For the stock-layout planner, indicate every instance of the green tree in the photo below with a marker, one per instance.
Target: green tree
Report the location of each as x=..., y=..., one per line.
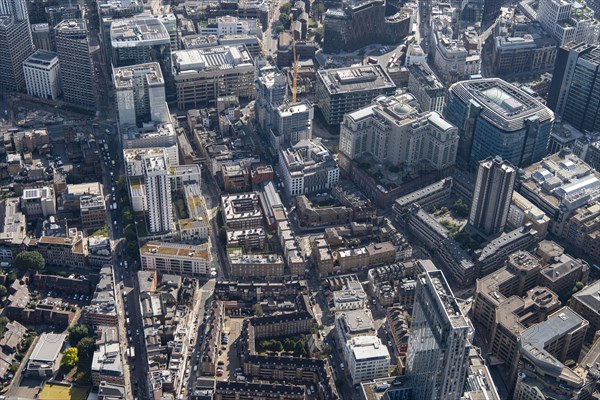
x=82, y=378
x=3, y=322
x=319, y=34
x=132, y=248
x=14, y=367
x=320, y=10
x=3, y=291
x=70, y=357
x=277, y=346
x=127, y=214
x=130, y=233
x=76, y=333
x=258, y=310
x=29, y=260
x=86, y=347
x=461, y=208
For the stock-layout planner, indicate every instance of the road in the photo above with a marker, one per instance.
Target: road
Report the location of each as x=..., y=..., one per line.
x=270, y=43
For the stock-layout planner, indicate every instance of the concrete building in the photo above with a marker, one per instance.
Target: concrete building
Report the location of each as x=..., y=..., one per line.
x=353, y=323
x=573, y=96
x=426, y=87
x=241, y=211
x=107, y=365
x=491, y=198
x=351, y=297
x=307, y=167
x=16, y=45
x=559, y=185
x=41, y=72
x=493, y=255
x=586, y=303
x=544, y=349
x=437, y=359
x=561, y=271
x=102, y=310
x=77, y=76
x=40, y=34
x=291, y=124
x=43, y=361
x=367, y=358
x=140, y=93
x=358, y=24
x=582, y=229
x=392, y=131
x=495, y=118
x=175, y=258
x=430, y=196
x=523, y=54
x=228, y=25
x=271, y=92
x=264, y=266
x=39, y=202
x=522, y=212
x=231, y=390
x=158, y=194
x=446, y=251
x=139, y=41
x=92, y=211
x=343, y=90
x=568, y=21
x=203, y=75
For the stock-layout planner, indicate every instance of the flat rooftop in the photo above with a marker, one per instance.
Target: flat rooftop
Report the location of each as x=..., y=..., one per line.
x=48, y=347
x=211, y=58
x=504, y=105
x=42, y=58
x=125, y=77
x=71, y=26
x=446, y=299
x=135, y=31
x=353, y=79
x=174, y=250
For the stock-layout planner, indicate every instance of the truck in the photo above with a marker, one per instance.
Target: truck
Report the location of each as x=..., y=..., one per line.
x=131, y=352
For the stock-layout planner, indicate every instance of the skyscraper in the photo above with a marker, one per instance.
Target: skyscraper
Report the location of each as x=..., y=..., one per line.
x=438, y=347
x=16, y=43
x=495, y=118
x=76, y=72
x=158, y=194
x=492, y=195
x=15, y=8
x=575, y=88
x=15, y=46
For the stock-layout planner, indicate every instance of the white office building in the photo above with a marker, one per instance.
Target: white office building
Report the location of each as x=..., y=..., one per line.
x=308, y=167
x=158, y=194
x=367, y=358
x=292, y=123
x=568, y=21
x=392, y=131
x=42, y=75
x=140, y=92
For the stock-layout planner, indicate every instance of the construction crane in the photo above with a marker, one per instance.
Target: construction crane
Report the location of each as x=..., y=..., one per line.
x=295, y=66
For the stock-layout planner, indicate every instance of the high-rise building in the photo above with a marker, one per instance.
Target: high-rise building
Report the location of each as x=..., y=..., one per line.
x=158, y=194
x=271, y=91
x=343, y=90
x=41, y=72
x=437, y=359
x=568, y=21
x=140, y=92
x=140, y=40
x=15, y=8
x=15, y=43
x=575, y=89
x=493, y=193
x=76, y=72
x=203, y=75
x=360, y=23
x=291, y=124
x=491, y=12
x=426, y=87
x=495, y=118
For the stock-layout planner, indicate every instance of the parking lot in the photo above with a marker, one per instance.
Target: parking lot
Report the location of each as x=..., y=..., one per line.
x=229, y=359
